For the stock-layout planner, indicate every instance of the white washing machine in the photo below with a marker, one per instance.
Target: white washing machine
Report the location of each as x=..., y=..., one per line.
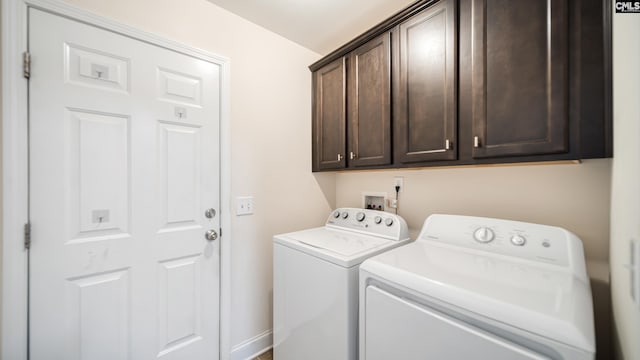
x=478, y=288
x=315, y=282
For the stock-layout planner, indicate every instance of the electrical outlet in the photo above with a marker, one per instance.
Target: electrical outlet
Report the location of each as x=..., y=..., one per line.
x=398, y=181
x=393, y=203
x=244, y=205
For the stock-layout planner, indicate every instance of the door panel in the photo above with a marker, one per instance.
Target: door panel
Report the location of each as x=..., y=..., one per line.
x=179, y=156
x=329, y=116
x=102, y=314
x=98, y=171
x=180, y=315
x=124, y=160
x=425, y=90
x=519, y=77
x=369, y=103
x=96, y=69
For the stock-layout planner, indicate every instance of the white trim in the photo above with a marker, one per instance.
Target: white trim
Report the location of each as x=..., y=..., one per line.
x=253, y=347
x=14, y=182
x=13, y=341
x=225, y=212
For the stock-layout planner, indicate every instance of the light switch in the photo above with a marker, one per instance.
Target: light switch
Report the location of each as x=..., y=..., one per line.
x=244, y=205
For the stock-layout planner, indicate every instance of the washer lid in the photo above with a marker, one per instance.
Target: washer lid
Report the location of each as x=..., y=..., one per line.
x=534, y=297
x=340, y=242
x=344, y=248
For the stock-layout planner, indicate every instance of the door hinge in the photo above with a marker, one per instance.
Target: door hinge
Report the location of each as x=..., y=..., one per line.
x=27, y=236
x=26, y=64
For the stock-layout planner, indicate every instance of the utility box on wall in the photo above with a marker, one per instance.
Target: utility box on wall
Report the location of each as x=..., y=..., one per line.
x=374, y=200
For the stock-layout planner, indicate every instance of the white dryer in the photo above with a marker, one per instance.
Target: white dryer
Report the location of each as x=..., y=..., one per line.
x=478, y=288
x=315, y=282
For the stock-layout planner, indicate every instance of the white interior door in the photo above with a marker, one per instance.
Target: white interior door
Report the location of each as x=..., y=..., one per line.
x=124, y=161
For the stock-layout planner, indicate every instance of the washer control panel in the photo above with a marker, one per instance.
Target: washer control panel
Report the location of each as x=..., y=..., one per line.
x=548, y=244
x=372, y=222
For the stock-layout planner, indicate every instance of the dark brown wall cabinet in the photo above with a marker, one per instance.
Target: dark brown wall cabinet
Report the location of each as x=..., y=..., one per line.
x=425, y=85
x=463, y=82
x=519, y=77
x=352, y=108
x=369, y=104
x=329, y=86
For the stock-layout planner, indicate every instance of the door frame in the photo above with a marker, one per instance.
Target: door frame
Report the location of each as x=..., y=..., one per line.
x=15, y=167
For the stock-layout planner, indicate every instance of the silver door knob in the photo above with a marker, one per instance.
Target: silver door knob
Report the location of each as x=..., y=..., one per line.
x=211, y=235
x=210, y=213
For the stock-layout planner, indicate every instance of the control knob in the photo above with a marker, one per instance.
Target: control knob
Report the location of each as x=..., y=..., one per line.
x=518, y=240
x=360, y=216
x=377, y=219
x=483, y=235
x=388, y=221
x=345, y=215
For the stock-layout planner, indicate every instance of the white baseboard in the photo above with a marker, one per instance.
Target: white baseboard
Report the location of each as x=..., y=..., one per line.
x=253, y=347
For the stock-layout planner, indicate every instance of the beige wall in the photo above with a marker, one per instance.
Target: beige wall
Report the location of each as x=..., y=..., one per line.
x=270, y=136
x=573, y=196
x=625, y=198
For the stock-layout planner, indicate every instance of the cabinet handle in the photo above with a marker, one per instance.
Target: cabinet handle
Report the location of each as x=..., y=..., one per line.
x=476, y=142
x=352, y=155
x=447, y=144
x=339, y=157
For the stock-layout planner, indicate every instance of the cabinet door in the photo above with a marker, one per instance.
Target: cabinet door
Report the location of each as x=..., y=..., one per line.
x=519, y=77
x=425, y=85
x=369, y=103
x=329, y=116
